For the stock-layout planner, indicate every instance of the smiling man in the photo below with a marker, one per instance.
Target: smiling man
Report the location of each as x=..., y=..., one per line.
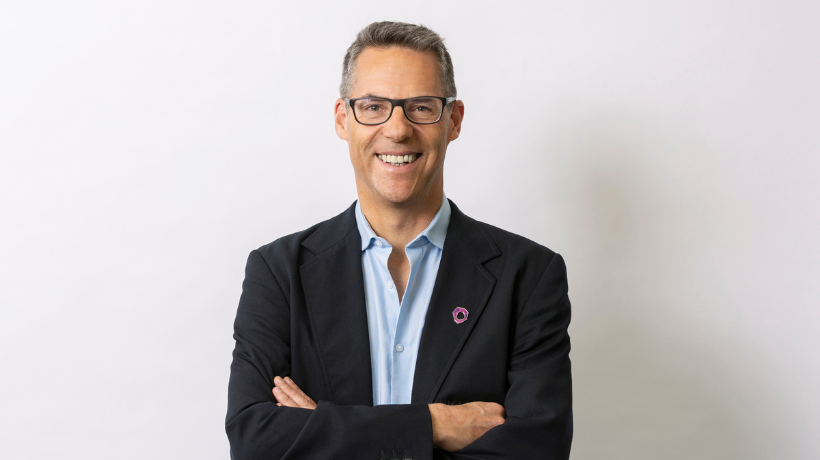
x=401, y=328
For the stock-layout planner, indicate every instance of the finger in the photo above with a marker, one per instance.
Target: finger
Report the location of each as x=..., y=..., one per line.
x=289, y=386
x=283, y=385
x=296, y=394
x=293, y=393
x=296, y=388
x=283, y=399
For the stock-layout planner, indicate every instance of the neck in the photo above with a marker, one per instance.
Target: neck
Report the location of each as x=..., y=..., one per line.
x=399, y=223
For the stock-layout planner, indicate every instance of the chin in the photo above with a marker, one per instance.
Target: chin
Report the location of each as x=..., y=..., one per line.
x=397, y=196
x=394, y=191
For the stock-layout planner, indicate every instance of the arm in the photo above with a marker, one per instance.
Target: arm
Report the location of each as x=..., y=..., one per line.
x=454, y=426
x=259, y=429
x=539, y=400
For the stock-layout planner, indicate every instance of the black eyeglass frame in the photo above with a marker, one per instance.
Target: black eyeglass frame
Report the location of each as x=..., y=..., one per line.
x=445, y=101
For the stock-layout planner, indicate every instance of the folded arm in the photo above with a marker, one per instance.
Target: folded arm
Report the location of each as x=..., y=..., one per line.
x=258, y=428
x=454, y=426
x=538, y=403
x=261, y=424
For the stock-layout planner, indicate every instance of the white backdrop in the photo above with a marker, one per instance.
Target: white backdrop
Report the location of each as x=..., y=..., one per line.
x=669, y=150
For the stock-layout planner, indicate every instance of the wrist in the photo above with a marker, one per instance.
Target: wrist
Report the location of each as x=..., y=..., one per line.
x=437, y=417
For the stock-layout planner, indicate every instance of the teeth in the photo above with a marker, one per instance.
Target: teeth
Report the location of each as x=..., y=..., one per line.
x=400, y=159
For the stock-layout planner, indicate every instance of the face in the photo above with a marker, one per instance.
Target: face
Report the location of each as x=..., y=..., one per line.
x=398, y=73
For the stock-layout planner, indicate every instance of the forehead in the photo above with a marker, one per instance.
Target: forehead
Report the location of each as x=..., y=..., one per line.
x=396, y=73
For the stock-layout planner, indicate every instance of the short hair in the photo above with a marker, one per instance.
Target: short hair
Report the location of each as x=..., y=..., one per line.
x=386, y=34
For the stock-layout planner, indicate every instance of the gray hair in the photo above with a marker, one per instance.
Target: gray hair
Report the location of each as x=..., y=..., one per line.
x=385, y=34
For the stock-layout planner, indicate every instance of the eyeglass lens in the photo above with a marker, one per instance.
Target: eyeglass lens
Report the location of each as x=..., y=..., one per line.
x=417, y=109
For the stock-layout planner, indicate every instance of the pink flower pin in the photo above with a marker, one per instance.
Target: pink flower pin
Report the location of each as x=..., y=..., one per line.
x=463, y=315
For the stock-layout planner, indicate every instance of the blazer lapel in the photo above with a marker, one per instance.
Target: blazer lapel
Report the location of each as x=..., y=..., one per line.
x=463, y=282
x=334, y=292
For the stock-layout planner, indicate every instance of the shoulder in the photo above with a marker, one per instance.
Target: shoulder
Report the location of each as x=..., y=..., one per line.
x=520, y=265
x=517, y=262
x=506, y=244
x=296, y=248
x=521, y=254
x=514, y=245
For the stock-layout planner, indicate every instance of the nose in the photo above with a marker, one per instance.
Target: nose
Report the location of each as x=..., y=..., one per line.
x=397, y=128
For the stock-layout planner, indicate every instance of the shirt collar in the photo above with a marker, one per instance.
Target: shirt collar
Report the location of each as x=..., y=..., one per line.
x=434, y=233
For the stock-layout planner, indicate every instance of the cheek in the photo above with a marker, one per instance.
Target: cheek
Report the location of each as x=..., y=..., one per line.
x=433, y=138
x=360, y=139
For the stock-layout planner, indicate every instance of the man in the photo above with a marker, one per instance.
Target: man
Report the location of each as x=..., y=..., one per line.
x=401, y=328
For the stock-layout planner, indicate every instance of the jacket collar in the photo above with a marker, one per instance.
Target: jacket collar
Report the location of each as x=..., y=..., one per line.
x=461, y=282
x=334, y=292
x=435, y=232
x=336, y=230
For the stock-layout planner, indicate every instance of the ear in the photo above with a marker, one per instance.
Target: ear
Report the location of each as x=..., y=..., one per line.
x=340, y=117
x=456, y=116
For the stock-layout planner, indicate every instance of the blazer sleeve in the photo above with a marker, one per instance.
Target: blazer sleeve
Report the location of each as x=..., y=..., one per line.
x=538, y=403
x=259, y=429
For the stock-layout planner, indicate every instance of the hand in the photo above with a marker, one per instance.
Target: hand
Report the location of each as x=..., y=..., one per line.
x=456, y=427
x=289, y=395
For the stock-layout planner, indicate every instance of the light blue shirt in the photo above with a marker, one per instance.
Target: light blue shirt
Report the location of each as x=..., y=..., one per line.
x=395, y=328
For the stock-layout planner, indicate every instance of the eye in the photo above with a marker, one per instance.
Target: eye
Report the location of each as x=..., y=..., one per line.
x=371, y=106
x=423, y=106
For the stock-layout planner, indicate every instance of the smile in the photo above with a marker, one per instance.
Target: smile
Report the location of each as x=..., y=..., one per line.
x=399, y=160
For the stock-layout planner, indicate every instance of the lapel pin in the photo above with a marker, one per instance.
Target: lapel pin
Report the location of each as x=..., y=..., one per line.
x=460, y=315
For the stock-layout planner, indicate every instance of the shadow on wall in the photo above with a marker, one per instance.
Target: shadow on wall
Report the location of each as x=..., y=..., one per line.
x=635, y=400
x=645, y=386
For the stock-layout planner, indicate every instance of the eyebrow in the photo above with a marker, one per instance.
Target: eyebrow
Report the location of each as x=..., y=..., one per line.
x=382, y=97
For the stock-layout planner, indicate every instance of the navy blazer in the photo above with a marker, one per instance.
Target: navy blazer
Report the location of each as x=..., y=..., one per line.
x=302, y=314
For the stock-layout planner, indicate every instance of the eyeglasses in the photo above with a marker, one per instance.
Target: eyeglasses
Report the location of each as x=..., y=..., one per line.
x=422, y=110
